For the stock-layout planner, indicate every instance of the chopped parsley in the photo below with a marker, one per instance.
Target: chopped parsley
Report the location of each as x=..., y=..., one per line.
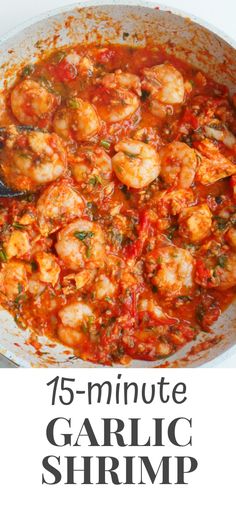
x=82, y=235
x=105, y=144
x=3, y=255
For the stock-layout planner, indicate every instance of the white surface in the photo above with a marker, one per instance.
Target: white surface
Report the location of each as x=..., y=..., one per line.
x=26, y=411
x=218, y=13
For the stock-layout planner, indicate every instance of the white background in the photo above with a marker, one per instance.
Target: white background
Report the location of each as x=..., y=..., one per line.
x=26, y=411
x=221, y=13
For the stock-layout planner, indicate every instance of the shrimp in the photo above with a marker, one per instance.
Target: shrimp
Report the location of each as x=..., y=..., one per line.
x=119, y=79
x=230, y=237
x=69, y=336
x=165, y=85
x=213, y=165
x=92, y=166
x=81, y=244
x=149, y=306
x=30, y=159
x=79, y=120
x=119, y=97
x=195, y=222
x=136, y=164
x=172, y=202
x=75, y=314
x=217, y=271
x=13, y=279
x=18, y=244
x=178, y=164
x=36, y=287
x=72, y=65
x=32, y=104
x=57, y=205
x=49, y=269
x=103, y=287
x=171, y=270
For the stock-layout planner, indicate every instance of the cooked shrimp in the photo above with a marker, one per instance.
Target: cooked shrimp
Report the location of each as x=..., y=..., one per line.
x=172, y=202
x=178, y=164
x=83, y=65
x=213, y=165
x=165, y=83
x=116, y=104
x=230, y=237
x=13, y=279
x=57, y=205
x=69, y=336
x=136, y=164
x=81, y=279
x=195, y=222
x=32, y=104
x=32, y=158
x=49, y=269
x=103, y=287
x=79, y=120
x=149, y=306
x=92, y=166
x=217, y=272
x=36, y=287
x=81, y=244
x=119, y=79
x=171, y=270
x=18, y=244
x=75, y=314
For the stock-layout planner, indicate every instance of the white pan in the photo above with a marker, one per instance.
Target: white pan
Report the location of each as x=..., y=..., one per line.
x=192, y=40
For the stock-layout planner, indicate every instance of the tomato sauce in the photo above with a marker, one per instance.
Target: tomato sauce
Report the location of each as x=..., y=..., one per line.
x=135, y=317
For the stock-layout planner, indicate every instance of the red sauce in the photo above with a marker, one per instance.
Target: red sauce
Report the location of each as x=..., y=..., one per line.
x=139, y=318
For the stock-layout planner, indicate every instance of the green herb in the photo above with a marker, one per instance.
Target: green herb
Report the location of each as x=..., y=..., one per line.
x=19, y=322
x=108, y=299
x=3, y=255
x=222, y=260
x=18, y=226
x=73, y=103
x=145, y=95
x=46, y=83
x=105, y=144
x=200, y=312
x=125, y=35
x=171, y=231
x=88, y=252
x=159, y=260
x=29, y=197
x=94, y=180
x=130, y=155
x=184, y=299
x=58, y=57
x=20, y=288
x=27, y=70
x=83, y=235
x=221, y=222
x=154, y=288
x=119, y=169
